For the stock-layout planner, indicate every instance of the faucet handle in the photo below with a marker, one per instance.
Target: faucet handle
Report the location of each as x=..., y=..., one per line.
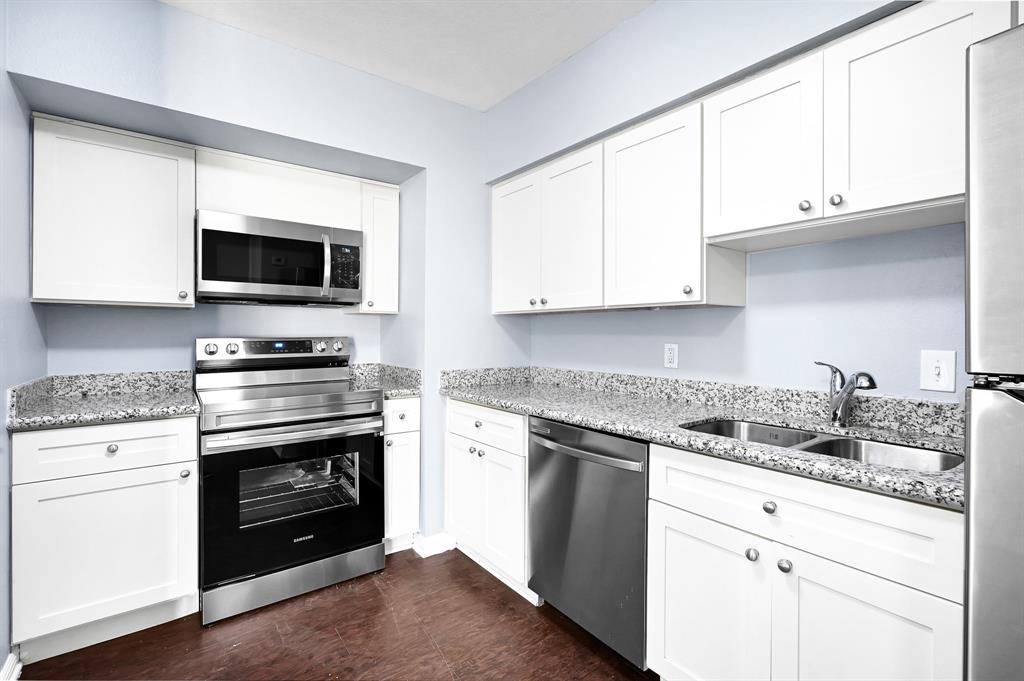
x=864, y=381
x=836, y=379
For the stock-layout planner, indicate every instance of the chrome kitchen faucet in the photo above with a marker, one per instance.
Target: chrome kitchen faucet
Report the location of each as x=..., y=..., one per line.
x=840, y=390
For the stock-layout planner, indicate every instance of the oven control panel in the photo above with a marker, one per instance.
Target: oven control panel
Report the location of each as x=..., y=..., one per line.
x=239, y=350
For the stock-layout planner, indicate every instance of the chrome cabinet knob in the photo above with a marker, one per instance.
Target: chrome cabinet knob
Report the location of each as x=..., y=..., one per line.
x=784, y=565
x=752, y=555
x=472, y=450
x=479, y=452
x=804, y=206
x=185, y=473
x=389, y=443
x=112, y=449
x=210, y=349
x=543, y=301
x=232, y=348
x=369, y=303
x=182, y=295
x=835, y=199
x=687, y=289
x=477, y=424
x=769, y=507
x=401, y=417
x=533, y=301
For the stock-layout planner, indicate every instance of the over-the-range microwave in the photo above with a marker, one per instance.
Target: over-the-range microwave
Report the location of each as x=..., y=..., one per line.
x=244, y=259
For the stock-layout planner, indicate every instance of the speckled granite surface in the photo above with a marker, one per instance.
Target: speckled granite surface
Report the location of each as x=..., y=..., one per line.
x=79, y=400
x=651, y=409
x=395, y=381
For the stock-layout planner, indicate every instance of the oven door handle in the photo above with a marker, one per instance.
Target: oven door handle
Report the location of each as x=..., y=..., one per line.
x=226, y=443
x=325, y=288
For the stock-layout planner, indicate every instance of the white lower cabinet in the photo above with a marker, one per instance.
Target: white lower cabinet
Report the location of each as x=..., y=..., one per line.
x=90, y=547
x=94, y=546
x=401, y=472
x=486, y=500
x=728, y=604
x=746, y=580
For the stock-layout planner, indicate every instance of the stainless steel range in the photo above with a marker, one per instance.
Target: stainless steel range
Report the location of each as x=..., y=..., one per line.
x=292, y=466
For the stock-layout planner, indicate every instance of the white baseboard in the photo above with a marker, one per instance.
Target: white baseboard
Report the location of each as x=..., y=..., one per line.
x=84, y=635
x=397, y=544
x=433, y=545
x=12, y=667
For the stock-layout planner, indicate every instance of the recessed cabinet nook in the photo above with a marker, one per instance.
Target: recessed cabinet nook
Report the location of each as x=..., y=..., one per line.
x=850, y=140
x=114, y=214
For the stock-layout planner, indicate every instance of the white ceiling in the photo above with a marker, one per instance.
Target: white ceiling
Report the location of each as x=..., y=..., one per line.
x=473, y=52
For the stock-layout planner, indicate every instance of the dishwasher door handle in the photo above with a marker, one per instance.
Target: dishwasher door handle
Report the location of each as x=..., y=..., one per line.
x=604, y=460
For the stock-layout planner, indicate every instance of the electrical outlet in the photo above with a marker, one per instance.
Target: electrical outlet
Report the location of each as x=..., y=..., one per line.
x=671, y=356
x=938, y=370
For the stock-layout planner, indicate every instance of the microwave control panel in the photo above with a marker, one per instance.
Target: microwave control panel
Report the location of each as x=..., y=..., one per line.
x=344, y=266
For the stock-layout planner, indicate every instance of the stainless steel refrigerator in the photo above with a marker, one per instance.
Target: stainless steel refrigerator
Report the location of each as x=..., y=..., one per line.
x=995, y=358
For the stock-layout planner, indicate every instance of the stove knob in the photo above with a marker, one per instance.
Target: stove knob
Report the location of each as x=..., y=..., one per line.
x=337, y=346
x=211, y=348
x=232, y=348
x=321, y=346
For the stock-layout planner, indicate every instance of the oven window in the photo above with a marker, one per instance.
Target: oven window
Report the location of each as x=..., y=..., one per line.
x=255, y=259
x=288, y=490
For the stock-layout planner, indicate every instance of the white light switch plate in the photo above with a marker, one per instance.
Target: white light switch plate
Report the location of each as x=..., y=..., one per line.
x=671, y=356
x=938, y=370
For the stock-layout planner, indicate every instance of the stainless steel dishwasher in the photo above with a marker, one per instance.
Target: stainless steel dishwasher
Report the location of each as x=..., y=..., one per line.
x=588, y=531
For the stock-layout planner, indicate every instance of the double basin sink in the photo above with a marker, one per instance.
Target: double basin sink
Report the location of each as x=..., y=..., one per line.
x=865, y=451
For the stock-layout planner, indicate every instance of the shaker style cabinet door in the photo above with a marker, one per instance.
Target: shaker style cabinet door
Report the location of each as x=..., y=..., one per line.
x=402, y=484
x=653, y=251
x=830, y=621
x=94, y=546
x=515, y=243
x=504, y=511
x=709, y=600
x=380, y=249
x=894, y=100
x=464, y=491
x=112, y=218
x=571, y=225
x=762, y=150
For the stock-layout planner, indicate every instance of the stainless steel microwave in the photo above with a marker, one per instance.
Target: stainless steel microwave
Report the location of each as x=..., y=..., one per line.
x=243, y=259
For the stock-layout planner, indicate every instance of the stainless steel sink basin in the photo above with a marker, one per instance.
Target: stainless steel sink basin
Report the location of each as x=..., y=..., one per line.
x=755, y=432
x=884, y=454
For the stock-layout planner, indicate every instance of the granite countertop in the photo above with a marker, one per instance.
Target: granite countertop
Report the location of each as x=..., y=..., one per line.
x=88, y=399
x=395, y=381
x=660, y=420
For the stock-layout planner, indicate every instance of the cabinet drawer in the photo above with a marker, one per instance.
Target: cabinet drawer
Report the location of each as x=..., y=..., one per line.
x=68, y=452
x=501, y=429
x=401, y=415
x=913, y=544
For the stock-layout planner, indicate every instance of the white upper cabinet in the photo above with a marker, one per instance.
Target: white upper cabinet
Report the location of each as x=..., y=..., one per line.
x=895, y=103
x=246, y=185
x=570, y=239
x=380, y=249
x=762, y=150
x=112, y=217
x=653, y=249
x=515, y=235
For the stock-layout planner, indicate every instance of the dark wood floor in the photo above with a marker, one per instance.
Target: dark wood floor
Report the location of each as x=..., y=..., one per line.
x=439, y=618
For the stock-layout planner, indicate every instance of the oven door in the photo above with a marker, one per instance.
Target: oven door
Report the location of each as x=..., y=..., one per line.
x=243, y=258
x=279, y=497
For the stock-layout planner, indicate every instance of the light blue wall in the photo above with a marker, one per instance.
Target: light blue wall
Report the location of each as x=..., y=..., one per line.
x=149, y=52
x=22, y=351
x=868, y=304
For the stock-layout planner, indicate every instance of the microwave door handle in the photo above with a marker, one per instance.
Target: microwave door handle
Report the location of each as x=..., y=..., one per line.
x=325, y=288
